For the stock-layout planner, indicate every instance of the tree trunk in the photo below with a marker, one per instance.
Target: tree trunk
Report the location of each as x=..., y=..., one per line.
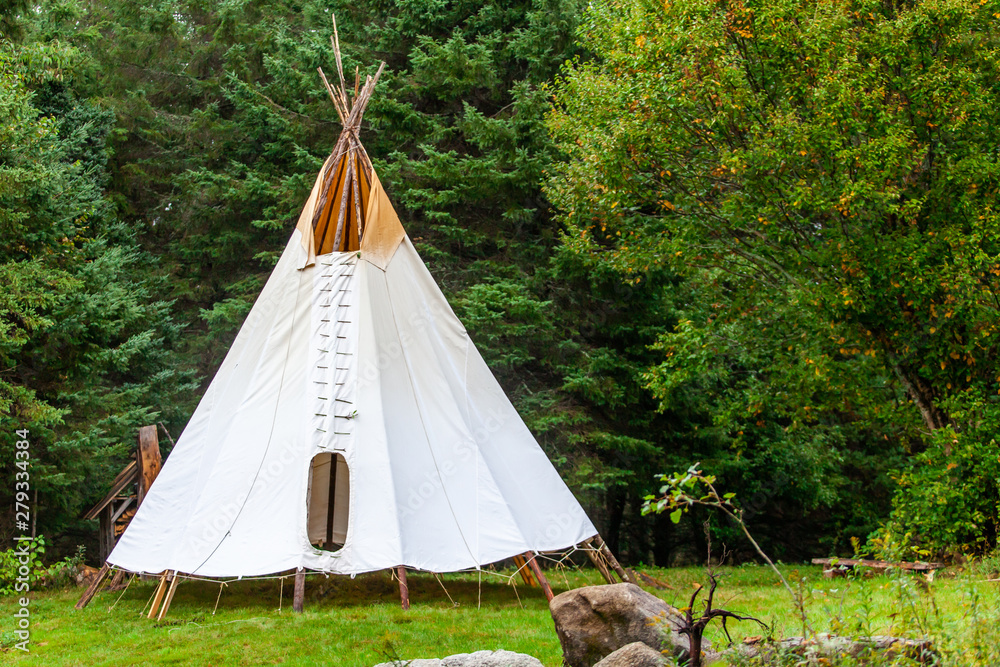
x=694, y=652
x=663, y=539
x=922, y=396
x=616, y=514
x=698, y=538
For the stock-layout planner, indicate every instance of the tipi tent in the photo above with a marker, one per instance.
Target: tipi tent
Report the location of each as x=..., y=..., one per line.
x=353, y=426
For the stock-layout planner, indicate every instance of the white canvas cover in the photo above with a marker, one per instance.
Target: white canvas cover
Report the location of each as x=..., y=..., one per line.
x=357, y=354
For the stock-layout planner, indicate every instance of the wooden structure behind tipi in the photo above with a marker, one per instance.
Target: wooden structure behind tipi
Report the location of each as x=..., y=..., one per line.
x=127, y=491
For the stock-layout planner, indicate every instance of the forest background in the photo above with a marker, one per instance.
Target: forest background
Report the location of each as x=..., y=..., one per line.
x=761, y=235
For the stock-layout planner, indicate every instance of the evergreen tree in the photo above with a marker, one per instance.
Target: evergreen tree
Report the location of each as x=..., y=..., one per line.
x=84, y=340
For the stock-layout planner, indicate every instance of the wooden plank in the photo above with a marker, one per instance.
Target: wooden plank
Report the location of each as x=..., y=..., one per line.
x=532, y=559
x=122, y=508
x=127, y=476
x=404, y=589
x=92, y=589
x=878, y=564
x=299, y=596
x=106, y=533
x=102, y=548
x=160, y=590
x=150, y=462
x=169, y=598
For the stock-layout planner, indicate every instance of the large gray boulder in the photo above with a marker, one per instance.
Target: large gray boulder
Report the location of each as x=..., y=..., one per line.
x=477, y=659
x=635, y=654
x=595, y=621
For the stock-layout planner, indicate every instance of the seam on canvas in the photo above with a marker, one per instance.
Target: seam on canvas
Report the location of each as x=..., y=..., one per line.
x=277, y=403
x=423, y=426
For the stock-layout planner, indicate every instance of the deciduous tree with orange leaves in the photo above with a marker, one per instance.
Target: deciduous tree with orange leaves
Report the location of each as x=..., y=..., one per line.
x=825, y=176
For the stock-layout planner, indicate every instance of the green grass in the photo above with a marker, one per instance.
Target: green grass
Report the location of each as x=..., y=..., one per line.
x=358, y=622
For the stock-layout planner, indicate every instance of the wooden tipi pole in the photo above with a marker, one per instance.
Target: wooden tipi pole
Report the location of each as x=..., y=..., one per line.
x=169, y=597
x=299, y=596
x=615, y=565
x=161, y=588
x=92, y=589
x=525, y=571
x=598, y=560
x=404, y=589
x=348, y=157
x=532, y=558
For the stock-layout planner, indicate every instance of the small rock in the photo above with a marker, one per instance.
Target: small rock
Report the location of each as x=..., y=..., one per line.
x=635, y=654
x=477, y=659
x=594, y=621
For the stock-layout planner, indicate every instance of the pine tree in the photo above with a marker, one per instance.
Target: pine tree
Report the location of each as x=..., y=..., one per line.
x=84, y=341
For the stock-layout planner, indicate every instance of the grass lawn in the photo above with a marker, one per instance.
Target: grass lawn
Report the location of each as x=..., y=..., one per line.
x=358, y=622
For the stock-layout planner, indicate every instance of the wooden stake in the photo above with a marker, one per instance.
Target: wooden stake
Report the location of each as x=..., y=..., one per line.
x=158, y=597
x=92, y=589
x=597, y=561
x=299, y=596
x=404, y=590
x=615, y=565
x=169, y=598
x=525, y=571
x=533, y=564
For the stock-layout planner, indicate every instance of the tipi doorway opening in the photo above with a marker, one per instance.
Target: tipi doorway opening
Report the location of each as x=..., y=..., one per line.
x=329, y=501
